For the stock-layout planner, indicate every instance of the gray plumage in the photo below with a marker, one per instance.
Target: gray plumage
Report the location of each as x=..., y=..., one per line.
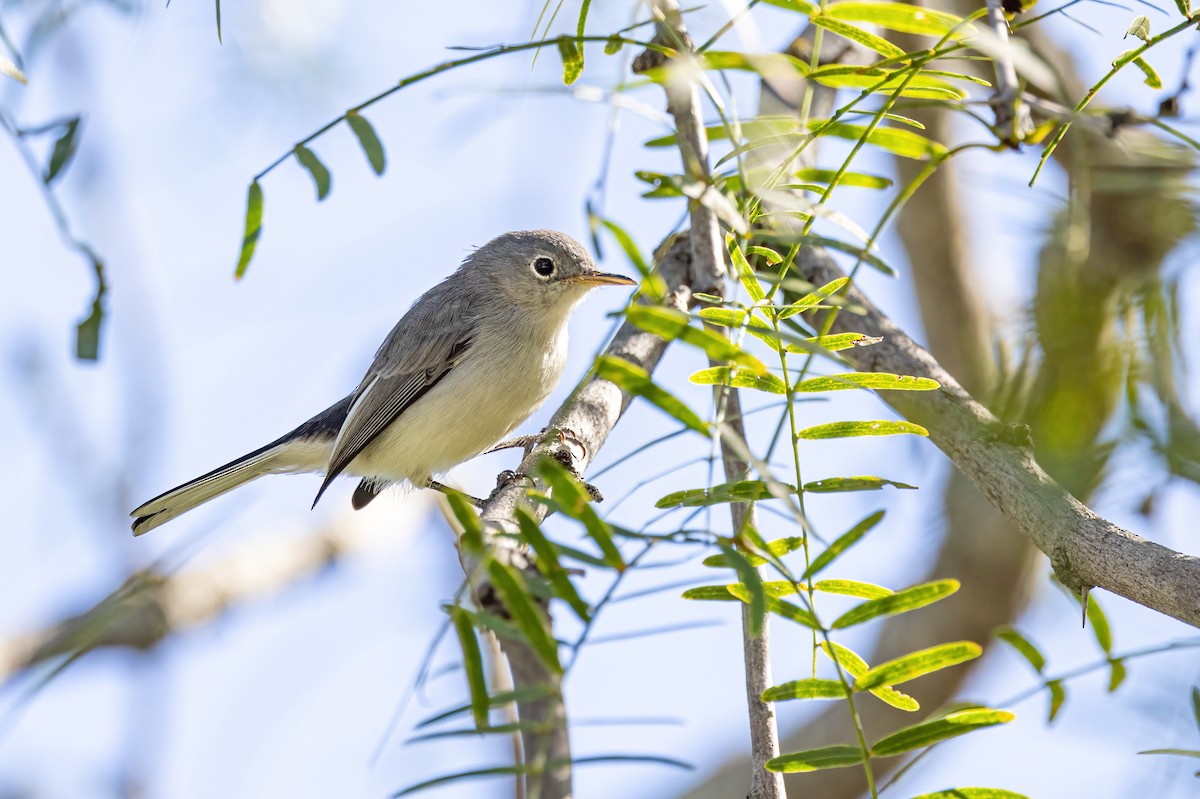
x=471, y=360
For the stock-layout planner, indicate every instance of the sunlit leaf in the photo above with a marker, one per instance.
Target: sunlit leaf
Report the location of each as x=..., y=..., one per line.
x=1058, y=697
x=877, y=381
x=1116, y=675
x=751, y=590
x=857, y=34
x=472, y=665
x=636, y=380
x=834, y=343
x=613, y=45
x=367, y=140
x=972, y=793
x=799, y=6
x=917, y=664
x=889, y=82
x=741, y=491
x=855, y=666
x=733, y=592
x=1152, y=78
x=858, y=179
x=898, y=141
x=881, y=427
x=320, y=175
x=853, y=588
x=926, y=733
x=901, y=602
x=899, y=17
x=863, y=482
x=842, y=543
x=671, y=324
x=812, y=688
x=727, y=376
x=815, y=298
x=777, y=549
x=572, y=59
x=1099, y=624
x=744, y=272
x=835, y=756
x=254, y=212
x=572, y=499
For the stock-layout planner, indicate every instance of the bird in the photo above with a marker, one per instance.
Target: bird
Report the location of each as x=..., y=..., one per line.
x=469, y=362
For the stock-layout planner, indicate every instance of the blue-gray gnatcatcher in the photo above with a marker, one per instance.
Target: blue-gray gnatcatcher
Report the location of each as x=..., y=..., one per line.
x=471, y=360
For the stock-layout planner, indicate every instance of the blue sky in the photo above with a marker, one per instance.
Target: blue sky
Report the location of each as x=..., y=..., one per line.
x=290, y=695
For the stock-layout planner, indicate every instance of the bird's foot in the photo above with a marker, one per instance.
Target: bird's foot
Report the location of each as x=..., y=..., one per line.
x=445, y=489
x=528, y=442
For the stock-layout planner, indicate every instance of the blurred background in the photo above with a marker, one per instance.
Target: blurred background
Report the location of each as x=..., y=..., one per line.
x=287, y=672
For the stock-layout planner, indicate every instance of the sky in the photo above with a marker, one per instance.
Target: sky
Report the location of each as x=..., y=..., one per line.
x=293, y=694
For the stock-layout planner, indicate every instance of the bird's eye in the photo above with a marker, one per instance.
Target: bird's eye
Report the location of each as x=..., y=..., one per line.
x=543, y=267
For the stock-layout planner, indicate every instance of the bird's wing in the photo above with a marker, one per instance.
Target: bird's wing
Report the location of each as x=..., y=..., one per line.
x=431, y=339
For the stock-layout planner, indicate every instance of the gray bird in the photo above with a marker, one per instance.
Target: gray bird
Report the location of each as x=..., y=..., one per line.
x=469, y=362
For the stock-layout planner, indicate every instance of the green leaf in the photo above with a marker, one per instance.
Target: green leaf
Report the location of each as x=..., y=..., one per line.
x=87, y=332
x=972, y=793
x=899, y=17
x=918, y=664
x=635, y=380
x=573, y=500
x=855, y=666
x=766, y=253
x=726, y=376
x=525, y=614
x=741, y=491
x=898, y=141
x=670, y=324
x=64, y=149
x=888, y=82
x=219, y=22
x=815, y=298
x=766, y=64
x=863, y=482
x=881, y=427
x=367, y=140
x=1185, y=8
x=1099, y=622
x=1196, y=705
x=613, y=45
x=726, y=317
x=857, y=34
x=843, y=542
x=824, y=757
x=799, y=6
x=472, y=665
x=548, y=564
x=835, y=343
x=927, y=733
x=1116, y=674
x=1181, y=752
x=1152, y=78
x=777, y=549
x=320, y=175
x=1025, y=647
x=901, y=602
x=878, y=381
x=628, y=246
x=853, y=588
x=733, y=592
x=468, y=518
x=752, y=587
x=859, y=179
x=805, y=689
x=742, y=267
x=254, y=213
x=857, y=250
x=1058, y=697
x=572, y=59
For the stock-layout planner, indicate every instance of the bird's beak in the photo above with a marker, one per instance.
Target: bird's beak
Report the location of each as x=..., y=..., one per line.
x=605, y=279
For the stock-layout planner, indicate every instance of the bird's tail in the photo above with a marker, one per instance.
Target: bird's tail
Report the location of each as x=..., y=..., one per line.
x=304, y=449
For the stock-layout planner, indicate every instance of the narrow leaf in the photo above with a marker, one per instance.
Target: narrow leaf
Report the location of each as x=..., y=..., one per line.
x=853, y=588
x=1099, y=622
x=727, y=376
x=835, y=343
x=742, y=267
x=468, y=518
x=863, y=482
x=734, y=591
x=926, y=733
x=1152, y=78
x=776, y=549
x=855, y=666
x=901, y=602
x=635, y=380
x=898, y=141
x=671, y=324
x=87, y=332
x=842, y=543
x=1025, y=647
x=917, y=664
x=815, y=298
x=572, y=59
x=1196, y=705
x=472, y=665
x=742, y=491
x=613, y=45
x=1181, y=752
x=11, y=70
x=64, y=149
x=805, y=689
x=367, y=140
x=972, y=793
x=752, y=585
x=254, y=213
x=320, y=175
x=1116, y=674
x=219, y=22
x=835, y=756
x=858, y=179
x=548, y=565
x=878, y=381
x=573, y=500
x=899, y=17
x=857, y=34
x=849, y=429
x=1058, y=697
x=525, y=614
